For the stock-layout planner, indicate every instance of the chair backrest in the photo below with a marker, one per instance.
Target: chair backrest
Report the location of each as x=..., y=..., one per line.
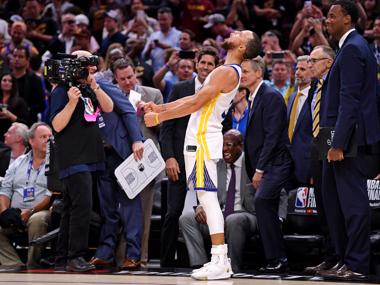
x=302, y=212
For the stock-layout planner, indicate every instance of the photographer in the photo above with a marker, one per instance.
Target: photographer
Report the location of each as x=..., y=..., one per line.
x=80, y=152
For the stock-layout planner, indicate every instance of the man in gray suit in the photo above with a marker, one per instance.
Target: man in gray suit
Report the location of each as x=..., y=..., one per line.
x=125, y=77
x=235, y=196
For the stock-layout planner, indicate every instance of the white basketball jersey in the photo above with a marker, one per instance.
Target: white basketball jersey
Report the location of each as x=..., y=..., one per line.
x=204, y=129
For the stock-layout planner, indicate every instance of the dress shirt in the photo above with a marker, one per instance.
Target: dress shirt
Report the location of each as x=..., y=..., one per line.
x=252, y=96
x=315, y=96
x=16, y=178
x=198, y=84
x=238, y=168
x=344, y=37
x=302, y=100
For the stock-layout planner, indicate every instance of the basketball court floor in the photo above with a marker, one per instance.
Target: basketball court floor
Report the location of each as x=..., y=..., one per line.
x=157, y=277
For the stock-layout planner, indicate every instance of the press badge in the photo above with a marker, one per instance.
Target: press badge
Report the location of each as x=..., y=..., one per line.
x=29, y=194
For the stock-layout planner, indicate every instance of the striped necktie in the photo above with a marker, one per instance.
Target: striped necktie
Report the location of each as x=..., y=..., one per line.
x=293, y=116
x=317, y=106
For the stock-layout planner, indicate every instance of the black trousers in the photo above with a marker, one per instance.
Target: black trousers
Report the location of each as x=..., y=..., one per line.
x=75, y=219
x=316, y=173
x=176, y=195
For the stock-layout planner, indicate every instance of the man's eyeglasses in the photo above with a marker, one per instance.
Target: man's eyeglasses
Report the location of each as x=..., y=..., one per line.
x=314, y=60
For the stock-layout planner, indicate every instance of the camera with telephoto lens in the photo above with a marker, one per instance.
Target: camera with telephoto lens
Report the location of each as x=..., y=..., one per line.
x=68, y=69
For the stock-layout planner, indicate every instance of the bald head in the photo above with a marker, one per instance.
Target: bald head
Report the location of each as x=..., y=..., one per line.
x=80, y=53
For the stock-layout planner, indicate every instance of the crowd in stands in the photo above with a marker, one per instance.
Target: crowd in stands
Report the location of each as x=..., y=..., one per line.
x=150, y=51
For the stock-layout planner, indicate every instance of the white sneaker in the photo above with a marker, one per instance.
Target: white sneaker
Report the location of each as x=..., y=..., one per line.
x=214, y=271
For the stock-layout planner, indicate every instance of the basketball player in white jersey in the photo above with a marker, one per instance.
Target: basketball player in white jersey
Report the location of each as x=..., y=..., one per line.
x=204, y=140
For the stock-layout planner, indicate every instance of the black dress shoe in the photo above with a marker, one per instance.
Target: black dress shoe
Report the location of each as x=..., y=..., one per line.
x=345, y=273
x=275, y=267
x=320, y=267
x=79, y=265
x=332, y=271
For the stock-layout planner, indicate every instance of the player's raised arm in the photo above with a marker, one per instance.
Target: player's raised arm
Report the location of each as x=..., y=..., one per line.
x=223, y=80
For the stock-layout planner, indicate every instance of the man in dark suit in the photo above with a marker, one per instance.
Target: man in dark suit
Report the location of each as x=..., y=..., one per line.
x=172, y=137
x=349, y=106
x=300, y=124
x=268, y=160
x=320, y=61
x=122, y=136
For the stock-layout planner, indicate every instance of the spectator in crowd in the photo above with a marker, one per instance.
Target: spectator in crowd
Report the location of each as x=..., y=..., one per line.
x=56, y=9
x=217, y=24
x=172, y=138
x=40, y=29
x=311, y=35
x=320, y=62
x=112, y=22
x=186, y=40
x=63, y=42
x=268, y=14
x=307, y=13
x=18, y=33
x=166, y=37
x=125, y=77
x=237, y=115
x=209, y=42
x=183, y=69
x=73, y=117
x=28, y=84
x=238, y=15
x=138, y=14
x=268, y=162
x=300, y=124
x=116, y=208
x=28, y=193
x=15, y=144
x=270, y=42
x=144, y=71
x=83, y=22
x=280, y=77
x=114, y=52
x=344, y=185
x=193, y=15
x=236, y=200
x=13, y=107
x=82, y=40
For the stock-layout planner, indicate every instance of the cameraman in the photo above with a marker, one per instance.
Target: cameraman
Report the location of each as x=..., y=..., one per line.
x=80, y=152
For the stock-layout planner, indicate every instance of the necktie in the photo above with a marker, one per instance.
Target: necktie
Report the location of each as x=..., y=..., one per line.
x=293, y=116
x=230, y=198
x=317, y=106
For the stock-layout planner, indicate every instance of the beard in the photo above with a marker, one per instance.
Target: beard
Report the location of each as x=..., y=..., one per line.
x=227, y=45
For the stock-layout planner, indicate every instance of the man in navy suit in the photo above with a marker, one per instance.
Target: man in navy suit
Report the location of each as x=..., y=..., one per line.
x=320, y=61
x=122, y=136
x=268, y=161
x=349, y=106
x=300, y=124
x=172, y=138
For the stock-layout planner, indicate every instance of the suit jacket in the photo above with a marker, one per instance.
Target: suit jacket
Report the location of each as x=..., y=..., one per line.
x=121, y=128
x=300, y=147
x=350, y=98
x=149, y=94
x=266, y=139
x=172, y=133
x=247, y=192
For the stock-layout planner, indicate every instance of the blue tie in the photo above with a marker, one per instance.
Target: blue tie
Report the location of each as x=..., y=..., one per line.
x=230, y=199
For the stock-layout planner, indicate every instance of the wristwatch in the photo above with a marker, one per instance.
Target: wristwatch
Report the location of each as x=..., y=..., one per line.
x=32, y=211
